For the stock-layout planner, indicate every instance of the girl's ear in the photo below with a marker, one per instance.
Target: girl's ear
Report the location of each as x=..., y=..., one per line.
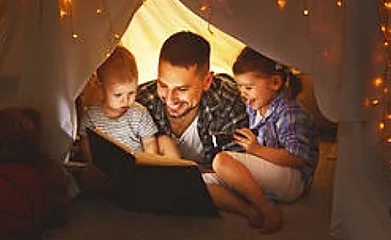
x=277, y=82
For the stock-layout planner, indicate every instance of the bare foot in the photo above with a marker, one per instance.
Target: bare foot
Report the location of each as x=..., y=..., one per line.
x=272, y=221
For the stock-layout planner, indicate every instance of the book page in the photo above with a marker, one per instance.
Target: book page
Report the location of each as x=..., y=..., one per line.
x=144, y=158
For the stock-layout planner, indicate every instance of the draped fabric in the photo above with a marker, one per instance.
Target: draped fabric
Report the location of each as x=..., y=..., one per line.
x=43, y=66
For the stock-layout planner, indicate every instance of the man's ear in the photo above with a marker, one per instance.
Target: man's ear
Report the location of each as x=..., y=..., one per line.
x=207, y=81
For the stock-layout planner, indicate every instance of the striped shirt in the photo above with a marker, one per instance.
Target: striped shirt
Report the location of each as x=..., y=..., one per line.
x=135, y=125
x=221, y=109
x=287, y=125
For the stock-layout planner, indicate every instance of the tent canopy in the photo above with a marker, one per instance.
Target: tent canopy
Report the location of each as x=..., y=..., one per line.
x=47, y=57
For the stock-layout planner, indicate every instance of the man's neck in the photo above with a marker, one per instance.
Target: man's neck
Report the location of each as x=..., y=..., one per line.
x=179, y=125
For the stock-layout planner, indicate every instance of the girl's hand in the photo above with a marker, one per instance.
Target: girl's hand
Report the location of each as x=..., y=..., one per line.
x=246, y=138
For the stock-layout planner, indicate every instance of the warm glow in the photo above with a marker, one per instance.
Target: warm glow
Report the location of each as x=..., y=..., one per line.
x=339, y=3
x=306, y=12
x=99, y=11
x=367, y=102
x=383, y=28
x=381, y=125
x=281, y=4
x=385, y=90
x=385, y=43
x=389, y=139
x=203, y=8
x=63, y=13
x=389, y=116
x=375, y=102
x=378, y=81
x=117, y=36
x=74, y=35
x=387, y=4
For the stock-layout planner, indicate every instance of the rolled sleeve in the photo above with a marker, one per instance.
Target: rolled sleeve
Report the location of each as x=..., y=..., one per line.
x=295, y=126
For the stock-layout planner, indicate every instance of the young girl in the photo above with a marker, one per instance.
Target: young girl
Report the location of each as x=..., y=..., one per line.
x=281, y=159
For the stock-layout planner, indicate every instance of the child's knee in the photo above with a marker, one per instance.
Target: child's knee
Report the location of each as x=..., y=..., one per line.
x=220, y=161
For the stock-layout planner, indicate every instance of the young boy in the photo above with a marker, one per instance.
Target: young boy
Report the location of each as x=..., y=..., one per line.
x=281, y=158
x=118, y=115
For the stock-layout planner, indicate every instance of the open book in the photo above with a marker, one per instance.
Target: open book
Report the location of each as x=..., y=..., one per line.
x=150, y=183
x=143, y=158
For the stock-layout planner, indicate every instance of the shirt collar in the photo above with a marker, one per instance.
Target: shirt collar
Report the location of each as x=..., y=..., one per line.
x=272, y=107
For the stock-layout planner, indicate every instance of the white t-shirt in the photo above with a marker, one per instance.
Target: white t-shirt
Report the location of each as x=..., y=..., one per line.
x=129, y=129
x=190, y=145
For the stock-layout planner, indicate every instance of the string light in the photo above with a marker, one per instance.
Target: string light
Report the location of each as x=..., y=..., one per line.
x=375, y=102
x=339, y=3
x=281, y=4
x=203, y=8
x=378, y=82
x=306, y=12
x=63, y=13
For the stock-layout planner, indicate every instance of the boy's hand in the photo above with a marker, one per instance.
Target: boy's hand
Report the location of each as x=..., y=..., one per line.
x=246, y=138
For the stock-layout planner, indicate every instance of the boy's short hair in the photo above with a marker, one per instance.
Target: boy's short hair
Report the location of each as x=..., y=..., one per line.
x=121, y=64
x=186, y=49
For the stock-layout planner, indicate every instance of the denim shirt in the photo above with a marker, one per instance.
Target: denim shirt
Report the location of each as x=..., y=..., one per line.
x=287, y=125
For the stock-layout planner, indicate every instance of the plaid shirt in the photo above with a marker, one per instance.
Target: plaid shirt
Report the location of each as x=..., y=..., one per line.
x=221, y=109
x=287, y=125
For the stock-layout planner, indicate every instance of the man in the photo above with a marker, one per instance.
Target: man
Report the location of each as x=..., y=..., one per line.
x=188, y=103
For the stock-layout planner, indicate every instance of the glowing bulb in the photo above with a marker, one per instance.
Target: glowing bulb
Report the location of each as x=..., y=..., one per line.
x=339, y=3
x=203, y=8
x=378, y=81
x=306, y=12
x=389, y=139
x=387, y=4
x=74, y=35
x=389, y=116
x=63, y=13
x=385, y=90
x=383, y=28
x=385, y=43
x=375, y=102
x=99, y=11
x=381, y=125
x=281, y=4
